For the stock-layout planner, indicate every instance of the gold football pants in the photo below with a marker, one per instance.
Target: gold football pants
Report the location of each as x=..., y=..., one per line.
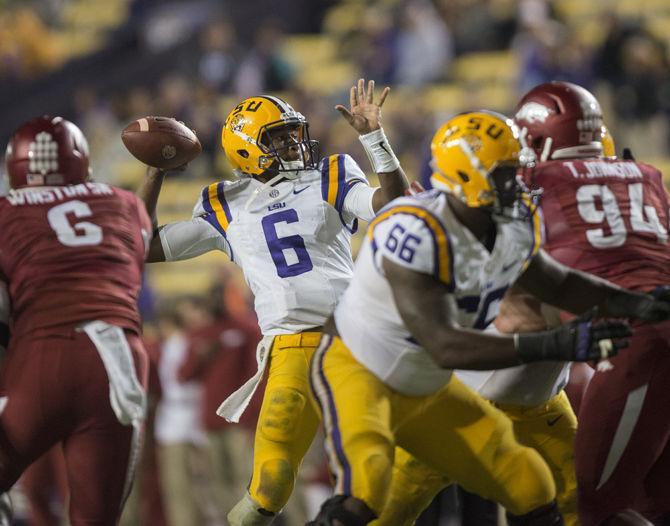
x=453, y=430
x=548, y=428
x=287, y=422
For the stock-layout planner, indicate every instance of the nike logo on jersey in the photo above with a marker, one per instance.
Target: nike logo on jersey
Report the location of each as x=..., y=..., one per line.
x=505, y=268
x=296, y=192
x=554, y=420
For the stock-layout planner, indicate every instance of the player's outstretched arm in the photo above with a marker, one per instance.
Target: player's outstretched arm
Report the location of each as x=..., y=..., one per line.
x=364, y=115
x=577, y=292
x=429, y=312
x=149, y=191
x=179, y=240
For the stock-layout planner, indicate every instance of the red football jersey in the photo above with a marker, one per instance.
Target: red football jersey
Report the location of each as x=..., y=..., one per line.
x=73, y=253
x=608, y=217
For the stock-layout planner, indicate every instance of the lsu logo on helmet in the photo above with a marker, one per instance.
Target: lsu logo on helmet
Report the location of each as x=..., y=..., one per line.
x=467, y=149
x=246, y=140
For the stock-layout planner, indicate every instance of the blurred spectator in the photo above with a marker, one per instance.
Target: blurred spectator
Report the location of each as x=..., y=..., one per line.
x=27, y=46
x=376, y=51
x=608, y=59
x=183, y=466
x=221, y=354
x=479, y=25
x=636, y=69
x=549, y=50
x=218, y=50
x=424, y=44
x=206, y=122
x=144, y=506
x=175, y=97
x=263, y=68
x=99, y=120
x=644, y=80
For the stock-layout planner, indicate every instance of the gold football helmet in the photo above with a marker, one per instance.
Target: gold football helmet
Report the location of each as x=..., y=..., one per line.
x=607, y=140
x=476, y=156
x=265, y=134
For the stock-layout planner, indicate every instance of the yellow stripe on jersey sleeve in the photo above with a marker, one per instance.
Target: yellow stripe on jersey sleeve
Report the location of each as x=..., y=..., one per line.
x=218, y=206
x=440, y=237
x=333, y=179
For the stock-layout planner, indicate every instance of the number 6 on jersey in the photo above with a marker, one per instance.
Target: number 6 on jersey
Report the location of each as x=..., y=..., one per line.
x=278, y=245
x=78, y=234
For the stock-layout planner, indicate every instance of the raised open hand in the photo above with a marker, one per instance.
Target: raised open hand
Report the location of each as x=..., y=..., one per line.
x=364, y=114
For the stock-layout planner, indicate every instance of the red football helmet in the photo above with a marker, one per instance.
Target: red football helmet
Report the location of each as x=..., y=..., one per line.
x=47, y=151
x=561, y=121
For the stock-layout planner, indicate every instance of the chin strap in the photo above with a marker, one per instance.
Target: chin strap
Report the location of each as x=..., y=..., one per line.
x=257, y=191
x=293, y=172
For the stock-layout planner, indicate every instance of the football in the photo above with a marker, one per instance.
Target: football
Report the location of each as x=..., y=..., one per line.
x=161, y=142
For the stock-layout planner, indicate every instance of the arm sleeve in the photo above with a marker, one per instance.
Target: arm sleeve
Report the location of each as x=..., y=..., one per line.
x=345, y=187
x=358, y=203
x=188, y=239
x=206, y=231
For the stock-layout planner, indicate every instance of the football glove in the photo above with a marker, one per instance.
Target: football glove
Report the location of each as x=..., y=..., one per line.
x=580, y=340
x=646, y=307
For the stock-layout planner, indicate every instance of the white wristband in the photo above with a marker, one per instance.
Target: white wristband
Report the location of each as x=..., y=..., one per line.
x=379, y=151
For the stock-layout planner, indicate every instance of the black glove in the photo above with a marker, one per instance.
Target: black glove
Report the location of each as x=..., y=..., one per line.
x=662, y=292
x=576, y=341
x=645, y=307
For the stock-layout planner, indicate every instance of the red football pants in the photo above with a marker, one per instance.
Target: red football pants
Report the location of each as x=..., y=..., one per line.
x=622, y=447
x=57, y=390
x=44, y=480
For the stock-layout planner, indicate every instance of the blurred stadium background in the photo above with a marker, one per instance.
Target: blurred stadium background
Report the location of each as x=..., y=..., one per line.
x=105, y=63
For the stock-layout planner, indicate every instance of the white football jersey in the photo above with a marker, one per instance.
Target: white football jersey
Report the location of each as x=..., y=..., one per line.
x=292, y=240
x=527, y=385
x=422, y=234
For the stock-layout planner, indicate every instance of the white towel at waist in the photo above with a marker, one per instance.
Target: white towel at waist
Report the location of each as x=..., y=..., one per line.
x=234, y=406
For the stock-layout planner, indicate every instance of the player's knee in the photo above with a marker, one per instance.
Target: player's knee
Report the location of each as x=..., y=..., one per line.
x=372, y=468
x=530, y=484
x=343, y=510
x=281, y=416
x=276, y=479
